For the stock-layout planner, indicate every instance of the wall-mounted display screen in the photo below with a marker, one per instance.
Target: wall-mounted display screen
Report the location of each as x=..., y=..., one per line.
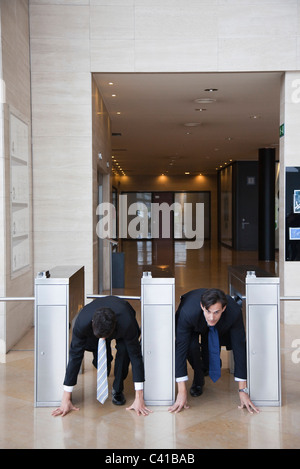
x=292, y=219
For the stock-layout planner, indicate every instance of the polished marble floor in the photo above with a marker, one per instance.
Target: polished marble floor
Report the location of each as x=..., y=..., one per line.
x=213, y=419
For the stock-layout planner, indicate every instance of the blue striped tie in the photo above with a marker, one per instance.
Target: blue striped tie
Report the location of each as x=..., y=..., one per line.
x=102, y=387
x=214, y=354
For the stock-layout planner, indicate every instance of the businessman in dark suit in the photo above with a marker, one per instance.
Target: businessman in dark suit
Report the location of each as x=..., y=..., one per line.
x=198, y=310
x=110, y=318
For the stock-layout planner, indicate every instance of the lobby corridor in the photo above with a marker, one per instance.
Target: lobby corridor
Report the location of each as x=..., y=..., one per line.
x=213, y=419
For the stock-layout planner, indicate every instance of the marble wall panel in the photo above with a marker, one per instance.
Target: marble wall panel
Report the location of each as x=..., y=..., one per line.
x=174, y=3
x=176, y=56
x=61, y=120
x=255, y=3
x=114, y=55
x=15, y=68
x=59, y=2
x=59, y=21
x=48, y=55
x=112, y=2
x=61, y=87
x=252, y=54
x=112, y=22
x=262, y=20
x=64, y=248
x=63, y=152
x=178, y=24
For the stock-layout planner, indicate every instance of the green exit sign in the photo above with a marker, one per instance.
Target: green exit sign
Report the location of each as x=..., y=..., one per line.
x=281, y=130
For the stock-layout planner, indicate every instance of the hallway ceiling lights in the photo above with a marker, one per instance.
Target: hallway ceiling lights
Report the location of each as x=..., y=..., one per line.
x=116, y=167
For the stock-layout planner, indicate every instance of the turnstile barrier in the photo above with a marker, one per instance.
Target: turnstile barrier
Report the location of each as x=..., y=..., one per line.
x=261, y=292
x=158, y=338
x=59, y=297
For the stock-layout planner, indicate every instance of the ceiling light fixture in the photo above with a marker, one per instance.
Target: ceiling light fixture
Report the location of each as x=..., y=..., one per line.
x=210, y=90
x=204, y=100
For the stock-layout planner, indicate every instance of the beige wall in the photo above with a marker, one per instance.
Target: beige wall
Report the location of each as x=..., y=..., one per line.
x=62, y=137
x=15, y=317
x=194, y=35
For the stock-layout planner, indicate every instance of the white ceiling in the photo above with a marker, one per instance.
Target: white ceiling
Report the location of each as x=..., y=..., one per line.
x=155, y=108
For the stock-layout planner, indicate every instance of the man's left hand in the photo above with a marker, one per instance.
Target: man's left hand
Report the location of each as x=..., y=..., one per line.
x=246, y=402
x=139, y=405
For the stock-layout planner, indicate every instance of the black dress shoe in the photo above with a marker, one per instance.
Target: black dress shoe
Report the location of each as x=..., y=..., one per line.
x=118, y=398
x=196, y=391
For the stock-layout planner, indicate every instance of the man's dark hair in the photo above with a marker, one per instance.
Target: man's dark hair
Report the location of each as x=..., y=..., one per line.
x=213, y=296
x=104, y=322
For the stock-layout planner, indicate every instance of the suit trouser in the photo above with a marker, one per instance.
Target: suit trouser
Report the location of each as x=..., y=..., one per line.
x=121, y=363
x=195, y=359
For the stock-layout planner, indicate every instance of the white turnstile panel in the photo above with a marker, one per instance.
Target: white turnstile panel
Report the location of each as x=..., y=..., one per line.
x=263, y=340
x=158, y=353
x=263, y=349
x=58, y=299
x=51, y=361
x=158, y=339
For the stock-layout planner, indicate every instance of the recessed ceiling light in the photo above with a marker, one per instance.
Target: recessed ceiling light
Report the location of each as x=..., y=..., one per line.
x=211, y=89
x=113, y=95
x=205, y=100
x=110, y=83
x=200, y=109
x=255, y=116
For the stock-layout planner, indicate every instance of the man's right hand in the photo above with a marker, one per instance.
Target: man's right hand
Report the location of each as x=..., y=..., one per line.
x=66, y=405
x=181, y=400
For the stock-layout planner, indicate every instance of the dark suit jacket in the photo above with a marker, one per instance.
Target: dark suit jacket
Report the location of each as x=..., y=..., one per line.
x=83, y=337
x=190, y=319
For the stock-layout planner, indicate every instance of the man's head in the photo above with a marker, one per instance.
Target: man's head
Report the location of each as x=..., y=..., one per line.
x=104, y=322
x=213, y=302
